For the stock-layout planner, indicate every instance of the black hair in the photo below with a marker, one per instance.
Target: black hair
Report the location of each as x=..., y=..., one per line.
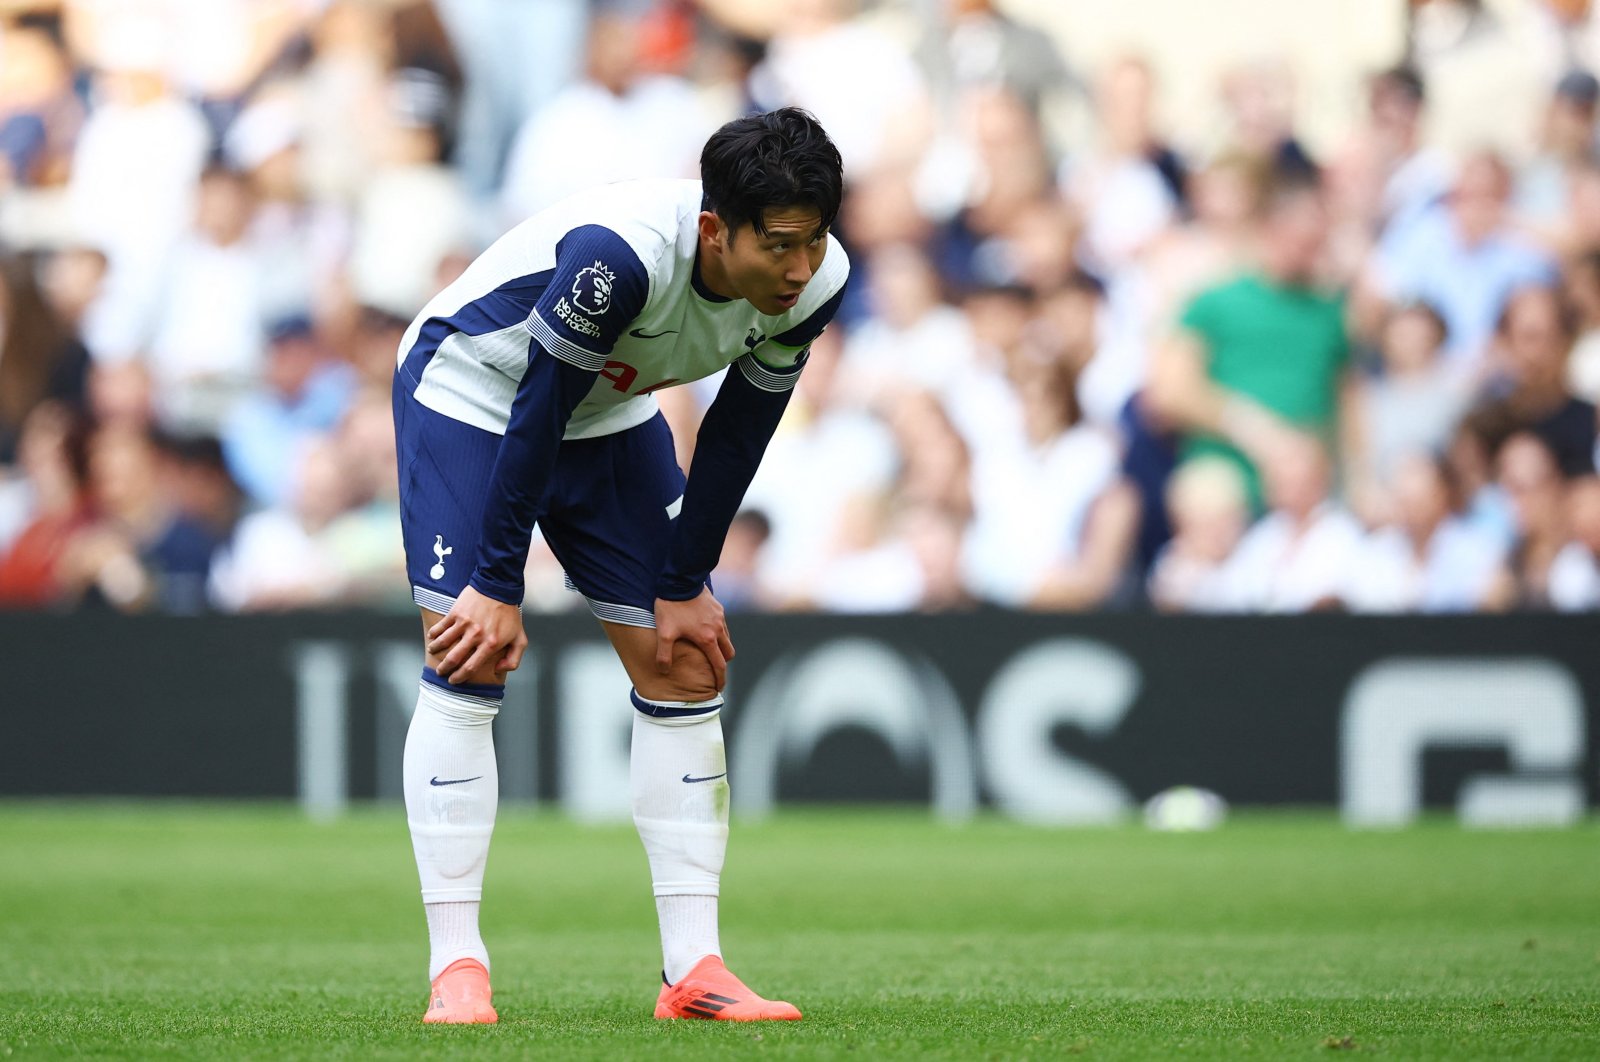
x=1407, y=80
x=757, y=521
x=1566, y=313
x=1286, y=186
x=1590, y=260
x=782, y=158
x=201, y=451
x=1084, y=282
x=218, y=168
x=1447, y=475
x=1427, y=309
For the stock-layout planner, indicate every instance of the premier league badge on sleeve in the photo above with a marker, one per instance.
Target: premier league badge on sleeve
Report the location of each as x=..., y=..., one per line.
x=591, y=289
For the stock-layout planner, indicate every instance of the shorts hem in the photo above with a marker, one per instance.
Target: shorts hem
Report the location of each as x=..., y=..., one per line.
x=611, y=612
x=434, y=601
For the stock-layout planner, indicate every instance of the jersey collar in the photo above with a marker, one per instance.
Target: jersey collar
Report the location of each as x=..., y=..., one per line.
x=698, y=283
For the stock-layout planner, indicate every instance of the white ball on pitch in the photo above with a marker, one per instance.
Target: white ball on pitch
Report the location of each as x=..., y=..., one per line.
x=1185, y=808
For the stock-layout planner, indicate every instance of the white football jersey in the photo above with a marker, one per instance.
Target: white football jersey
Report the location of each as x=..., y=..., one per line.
x=605, y=280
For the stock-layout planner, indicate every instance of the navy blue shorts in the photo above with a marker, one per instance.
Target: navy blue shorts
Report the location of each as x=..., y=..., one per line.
x=606, y=519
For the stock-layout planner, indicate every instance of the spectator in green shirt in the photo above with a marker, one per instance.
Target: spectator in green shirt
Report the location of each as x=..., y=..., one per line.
x=1265, y=356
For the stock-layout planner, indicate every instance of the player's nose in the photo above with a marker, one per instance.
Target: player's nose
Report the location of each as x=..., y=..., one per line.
x=799, y=271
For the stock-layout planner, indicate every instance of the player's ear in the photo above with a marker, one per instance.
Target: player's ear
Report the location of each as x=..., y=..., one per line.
x=714, y=229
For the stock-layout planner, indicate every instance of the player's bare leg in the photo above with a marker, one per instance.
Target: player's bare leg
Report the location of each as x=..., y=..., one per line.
x=452, y=792
x=679, y=778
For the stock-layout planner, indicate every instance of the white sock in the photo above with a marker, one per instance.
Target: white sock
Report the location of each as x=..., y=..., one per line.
x=688, y=933
x=453, y=934
x=679, y=777
x=452, y=788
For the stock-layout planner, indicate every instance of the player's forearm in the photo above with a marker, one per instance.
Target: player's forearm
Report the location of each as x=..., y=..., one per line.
x=733, y=436
x=549, y=393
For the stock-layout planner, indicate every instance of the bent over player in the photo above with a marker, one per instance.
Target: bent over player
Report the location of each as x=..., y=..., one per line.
x=524, y=395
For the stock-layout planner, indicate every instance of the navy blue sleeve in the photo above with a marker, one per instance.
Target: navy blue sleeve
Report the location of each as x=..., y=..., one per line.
x=597, y=287
x=733, y=436
x=549, y=392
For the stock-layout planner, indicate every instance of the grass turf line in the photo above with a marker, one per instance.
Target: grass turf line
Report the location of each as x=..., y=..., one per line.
x=226, y=932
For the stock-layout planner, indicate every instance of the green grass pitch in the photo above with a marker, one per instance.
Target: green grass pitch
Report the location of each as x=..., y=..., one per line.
x=245, y=932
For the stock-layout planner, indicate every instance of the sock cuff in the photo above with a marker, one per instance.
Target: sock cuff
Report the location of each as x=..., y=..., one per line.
x=677, y=827
x=710, y=889
x=470, y=702
x=494, y=690
x=676, y=713
x=448, y=829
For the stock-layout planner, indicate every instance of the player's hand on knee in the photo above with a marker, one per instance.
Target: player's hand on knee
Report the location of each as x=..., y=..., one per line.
x=513, y=655
x=700, y=622
x=477, y=632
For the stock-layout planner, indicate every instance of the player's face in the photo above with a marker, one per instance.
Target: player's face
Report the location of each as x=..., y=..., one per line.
x=770, y=269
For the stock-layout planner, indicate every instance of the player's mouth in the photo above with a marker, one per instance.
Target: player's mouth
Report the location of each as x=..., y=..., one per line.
x=787, y=301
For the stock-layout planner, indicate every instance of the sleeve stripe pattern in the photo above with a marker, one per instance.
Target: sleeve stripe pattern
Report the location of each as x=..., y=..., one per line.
x=562, y=347
x=768, y=379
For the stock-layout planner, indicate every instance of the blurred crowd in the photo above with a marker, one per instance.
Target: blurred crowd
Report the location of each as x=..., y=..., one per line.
x=1086, y=361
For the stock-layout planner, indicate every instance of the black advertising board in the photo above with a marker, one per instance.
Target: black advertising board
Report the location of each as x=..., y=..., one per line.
x=1047, y=718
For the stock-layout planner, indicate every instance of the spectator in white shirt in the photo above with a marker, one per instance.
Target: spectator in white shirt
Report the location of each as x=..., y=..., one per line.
x=860, y=83
x=515, y=57
x=413, y=209
x=1582, y=288
x=1054, y=519
x=1210, y=509
x=134, y=173
x=873, y=568
x=1529, y=473
x=1125, y=200
x=1429, y=559
x=899, y=549
x=825, y=452
x=280, y=558
x=210, y=333
x=1575, y=573
x=1298, y=557
x=619, y=121
x=908, y=316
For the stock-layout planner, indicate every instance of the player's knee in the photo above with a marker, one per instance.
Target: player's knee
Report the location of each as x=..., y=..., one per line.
x=689, y=679
x=485, y=675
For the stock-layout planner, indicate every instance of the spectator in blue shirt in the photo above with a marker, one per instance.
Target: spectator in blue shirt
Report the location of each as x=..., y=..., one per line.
x=306, y=394
x=1461, y=257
